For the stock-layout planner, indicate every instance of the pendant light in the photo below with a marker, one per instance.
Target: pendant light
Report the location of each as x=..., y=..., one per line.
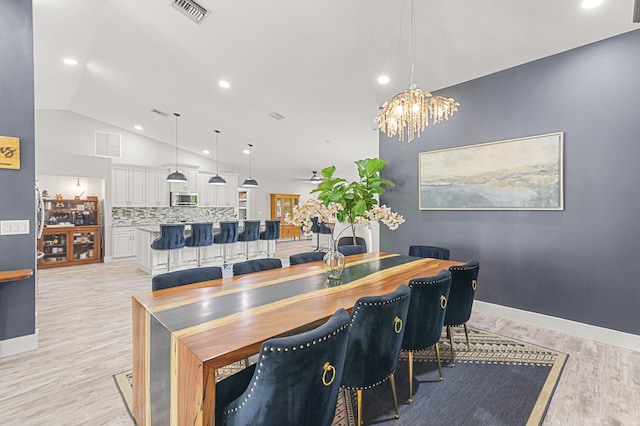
x=176, y=176
x=217, y=179
x=250, y=182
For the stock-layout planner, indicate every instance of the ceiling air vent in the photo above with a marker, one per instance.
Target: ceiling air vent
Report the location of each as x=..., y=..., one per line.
x=160, y=113
x=108, y=144
x=191, y=10
x=276, y=116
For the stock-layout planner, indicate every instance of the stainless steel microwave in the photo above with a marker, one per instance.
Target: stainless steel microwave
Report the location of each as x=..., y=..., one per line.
x=181, y=199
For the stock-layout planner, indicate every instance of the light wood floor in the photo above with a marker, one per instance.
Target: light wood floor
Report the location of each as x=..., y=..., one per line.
x=84, y=320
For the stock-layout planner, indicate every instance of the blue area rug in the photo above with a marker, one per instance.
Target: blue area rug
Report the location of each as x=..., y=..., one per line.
x=500, y=381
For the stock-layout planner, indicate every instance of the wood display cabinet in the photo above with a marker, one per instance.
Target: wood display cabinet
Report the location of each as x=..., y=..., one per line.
x=72, y=233
x=281, y=204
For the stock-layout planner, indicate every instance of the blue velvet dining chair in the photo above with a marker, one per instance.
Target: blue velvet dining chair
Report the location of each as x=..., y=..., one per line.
x=201, y=236
x=464, y=280
x=228, y=235
x=171, y=238
x=425, y=318
x=350, y=250
x=271, y=232
x=348, y=241
x=312, y=256
x=295, y=381
x=184, y=277
x=251, y=232
x=375, y=338
x=429, y=251
x=256, y=265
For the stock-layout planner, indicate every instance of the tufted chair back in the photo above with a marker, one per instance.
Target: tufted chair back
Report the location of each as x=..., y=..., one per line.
x=350, y=250
x=312, y=256
x=429, y=251
x=295, y=381
x=184, y=277
x=271, y=230
x=375, y=338
x=256, y=265
x=171, y=237
x=426, y=317
x=201, y=235
x=251, y=231
x=228, y=233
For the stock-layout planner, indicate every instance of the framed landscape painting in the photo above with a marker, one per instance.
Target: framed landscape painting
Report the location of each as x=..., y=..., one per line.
x=516, y=174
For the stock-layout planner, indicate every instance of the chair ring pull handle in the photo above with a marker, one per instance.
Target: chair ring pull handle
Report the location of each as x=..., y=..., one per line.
x=473, y=284
x=443, y=301
x=332, y=369
x=397, y=325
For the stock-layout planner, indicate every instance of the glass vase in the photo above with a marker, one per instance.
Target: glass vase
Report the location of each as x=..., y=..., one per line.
x=334, y=262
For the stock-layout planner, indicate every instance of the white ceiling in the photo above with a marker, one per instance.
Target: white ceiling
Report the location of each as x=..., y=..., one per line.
x=314, y=62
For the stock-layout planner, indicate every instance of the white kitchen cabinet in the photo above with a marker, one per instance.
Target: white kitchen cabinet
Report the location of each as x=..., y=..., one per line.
x=128, y=186
x=207, y=194
x=124, y=242
x=156, y=189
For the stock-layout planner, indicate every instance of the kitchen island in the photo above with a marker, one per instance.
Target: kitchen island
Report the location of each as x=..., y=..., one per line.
x=155, y=261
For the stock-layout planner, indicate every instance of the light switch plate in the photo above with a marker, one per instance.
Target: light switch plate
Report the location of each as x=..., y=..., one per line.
x=14, y=227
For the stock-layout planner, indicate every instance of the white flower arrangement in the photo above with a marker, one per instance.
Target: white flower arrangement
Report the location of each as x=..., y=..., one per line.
x=303, y=214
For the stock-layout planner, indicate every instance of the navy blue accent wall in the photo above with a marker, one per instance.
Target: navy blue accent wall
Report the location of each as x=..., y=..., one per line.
x=17, y=193
x=582, y=263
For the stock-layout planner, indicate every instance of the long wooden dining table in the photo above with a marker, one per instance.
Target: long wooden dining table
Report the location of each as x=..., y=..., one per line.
x=183, y=334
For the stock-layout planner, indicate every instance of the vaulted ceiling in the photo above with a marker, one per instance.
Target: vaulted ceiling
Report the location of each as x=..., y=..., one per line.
x=314, y=62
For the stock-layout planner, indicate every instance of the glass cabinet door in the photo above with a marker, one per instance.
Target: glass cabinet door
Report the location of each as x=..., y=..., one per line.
x=288, y=205
x=278, y=208
x=54, y=247
x=84, y=245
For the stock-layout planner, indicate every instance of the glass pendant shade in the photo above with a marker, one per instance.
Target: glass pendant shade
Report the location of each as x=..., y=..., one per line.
x=217, y=179
x=250, y=182
x=176, y=176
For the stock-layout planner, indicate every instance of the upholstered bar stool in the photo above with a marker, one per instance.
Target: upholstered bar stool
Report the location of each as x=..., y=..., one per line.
x=171, y=238
x=251, y=232
x=320, y=228
x=228, y=235
x=201, y=236
x=271, y=232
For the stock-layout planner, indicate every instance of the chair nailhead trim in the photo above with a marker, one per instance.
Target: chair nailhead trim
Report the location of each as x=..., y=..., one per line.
x=279, y=349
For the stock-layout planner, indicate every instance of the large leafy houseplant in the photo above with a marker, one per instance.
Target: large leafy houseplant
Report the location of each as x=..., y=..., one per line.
x=358, y=199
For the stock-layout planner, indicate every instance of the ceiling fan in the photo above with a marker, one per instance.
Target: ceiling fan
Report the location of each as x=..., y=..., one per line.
x=314, y=179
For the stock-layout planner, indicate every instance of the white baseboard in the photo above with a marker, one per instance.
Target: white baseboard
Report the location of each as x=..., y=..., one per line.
x=18, y=345
x=572, y=328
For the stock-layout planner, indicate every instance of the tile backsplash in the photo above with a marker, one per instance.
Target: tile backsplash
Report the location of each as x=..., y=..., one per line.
x=125, y=216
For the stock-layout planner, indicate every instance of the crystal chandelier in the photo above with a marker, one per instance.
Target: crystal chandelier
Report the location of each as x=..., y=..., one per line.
x=408, y=113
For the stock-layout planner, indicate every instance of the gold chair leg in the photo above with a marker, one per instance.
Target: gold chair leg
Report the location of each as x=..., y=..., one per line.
x=438, y=358
x=453, y=352
x=410, y=377
x=359, y=393
x=246, y=362
x=392, y=379
x=466, y=333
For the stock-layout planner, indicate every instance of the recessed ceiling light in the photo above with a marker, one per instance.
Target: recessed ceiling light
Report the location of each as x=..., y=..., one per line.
x=225, y=84
x=206, y=151
x=384, y=79
x=246, y=151
x=70, y=61
x=138, y=127
x=589, y=4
